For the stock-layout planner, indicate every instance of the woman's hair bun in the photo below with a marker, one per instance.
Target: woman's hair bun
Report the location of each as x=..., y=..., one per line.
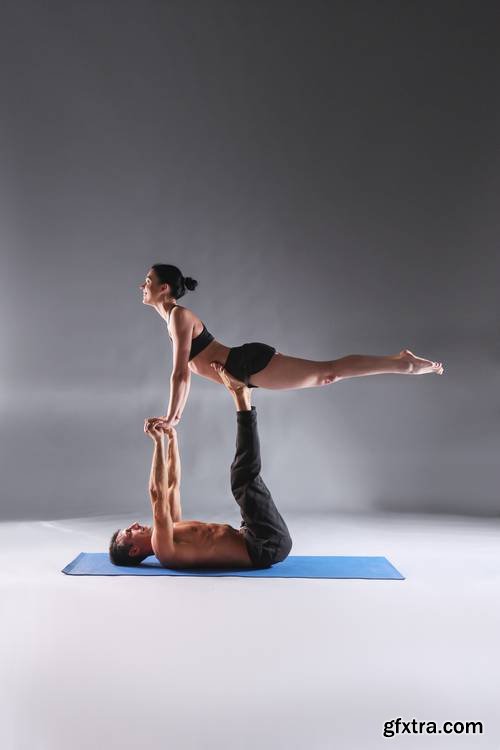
x=190, y=283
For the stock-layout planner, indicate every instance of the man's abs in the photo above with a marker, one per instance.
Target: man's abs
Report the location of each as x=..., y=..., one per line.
x=199, y=544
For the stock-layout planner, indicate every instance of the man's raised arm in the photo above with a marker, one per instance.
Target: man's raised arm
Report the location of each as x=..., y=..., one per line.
x=159, y=492
x=174, y=475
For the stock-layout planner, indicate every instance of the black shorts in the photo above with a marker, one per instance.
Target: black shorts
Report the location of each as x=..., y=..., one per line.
x=244, y=361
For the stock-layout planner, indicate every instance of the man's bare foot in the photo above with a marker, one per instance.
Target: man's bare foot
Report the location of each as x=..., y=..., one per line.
x=231, y=383
x=418, y=365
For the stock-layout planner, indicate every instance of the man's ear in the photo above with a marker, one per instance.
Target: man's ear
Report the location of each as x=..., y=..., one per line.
x=134, y=551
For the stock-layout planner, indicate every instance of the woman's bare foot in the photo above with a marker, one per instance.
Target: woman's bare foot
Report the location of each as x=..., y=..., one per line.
x=231, y=383
x=418, y=365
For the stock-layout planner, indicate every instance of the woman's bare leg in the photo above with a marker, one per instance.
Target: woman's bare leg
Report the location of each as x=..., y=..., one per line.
x=284, y=372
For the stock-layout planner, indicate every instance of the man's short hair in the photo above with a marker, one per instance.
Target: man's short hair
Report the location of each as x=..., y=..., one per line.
x=119, y=553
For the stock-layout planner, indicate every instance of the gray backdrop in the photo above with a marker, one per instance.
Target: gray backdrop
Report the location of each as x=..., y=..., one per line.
x=328, y=171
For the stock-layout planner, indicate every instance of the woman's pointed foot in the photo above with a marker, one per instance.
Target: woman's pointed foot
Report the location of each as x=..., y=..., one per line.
x=418, y=365
x=232, y=384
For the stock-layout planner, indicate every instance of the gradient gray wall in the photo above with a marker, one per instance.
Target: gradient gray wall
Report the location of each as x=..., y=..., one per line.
x=328, y=171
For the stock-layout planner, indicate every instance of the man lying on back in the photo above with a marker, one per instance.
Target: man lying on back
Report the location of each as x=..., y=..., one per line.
x=263, y=537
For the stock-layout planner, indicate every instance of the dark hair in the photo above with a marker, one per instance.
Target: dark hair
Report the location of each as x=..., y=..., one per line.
x=119, y=553
x=171, y=275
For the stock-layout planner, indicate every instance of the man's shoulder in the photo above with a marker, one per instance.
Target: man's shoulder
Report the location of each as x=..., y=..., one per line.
x=162, y=541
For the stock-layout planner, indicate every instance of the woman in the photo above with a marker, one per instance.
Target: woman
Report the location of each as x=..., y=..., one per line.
x=256, y=364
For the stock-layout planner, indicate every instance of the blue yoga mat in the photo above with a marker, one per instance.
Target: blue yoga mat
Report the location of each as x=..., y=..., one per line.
x=295, y=566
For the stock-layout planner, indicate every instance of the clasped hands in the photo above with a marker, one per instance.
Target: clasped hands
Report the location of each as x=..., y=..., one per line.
x=155, y=427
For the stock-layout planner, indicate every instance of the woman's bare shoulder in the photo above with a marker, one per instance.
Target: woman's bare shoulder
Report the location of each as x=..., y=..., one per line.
x=184, y=313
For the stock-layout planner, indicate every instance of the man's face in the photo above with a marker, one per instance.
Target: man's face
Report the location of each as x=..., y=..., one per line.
x=137, y=535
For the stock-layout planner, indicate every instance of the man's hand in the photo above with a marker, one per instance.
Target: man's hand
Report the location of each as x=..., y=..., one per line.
x=152, y=429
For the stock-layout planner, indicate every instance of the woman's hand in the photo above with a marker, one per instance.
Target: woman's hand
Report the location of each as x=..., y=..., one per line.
x=162, y=423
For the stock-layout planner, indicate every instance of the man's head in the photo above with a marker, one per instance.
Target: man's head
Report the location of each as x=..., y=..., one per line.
x=130, y=546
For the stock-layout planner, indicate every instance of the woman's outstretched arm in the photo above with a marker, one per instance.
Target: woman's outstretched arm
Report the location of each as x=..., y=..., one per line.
x=180, y=379
x=184, y=400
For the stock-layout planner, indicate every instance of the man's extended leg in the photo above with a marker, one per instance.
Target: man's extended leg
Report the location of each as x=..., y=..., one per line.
x=266, y=533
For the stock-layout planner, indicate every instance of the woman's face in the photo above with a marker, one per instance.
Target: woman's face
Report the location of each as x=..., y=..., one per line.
x=152, y=290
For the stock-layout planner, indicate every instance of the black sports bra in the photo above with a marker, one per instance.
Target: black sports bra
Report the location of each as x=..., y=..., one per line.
x=200, y=342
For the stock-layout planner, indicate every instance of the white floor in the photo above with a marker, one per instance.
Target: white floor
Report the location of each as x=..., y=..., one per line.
x=244, y=663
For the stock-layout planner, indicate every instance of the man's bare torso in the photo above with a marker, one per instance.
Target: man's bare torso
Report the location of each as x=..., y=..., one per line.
x=199, y=544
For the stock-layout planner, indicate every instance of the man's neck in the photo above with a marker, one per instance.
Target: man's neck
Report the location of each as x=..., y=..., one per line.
x=148, y=550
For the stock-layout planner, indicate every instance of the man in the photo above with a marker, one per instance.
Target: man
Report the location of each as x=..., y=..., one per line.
x=263, y=538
